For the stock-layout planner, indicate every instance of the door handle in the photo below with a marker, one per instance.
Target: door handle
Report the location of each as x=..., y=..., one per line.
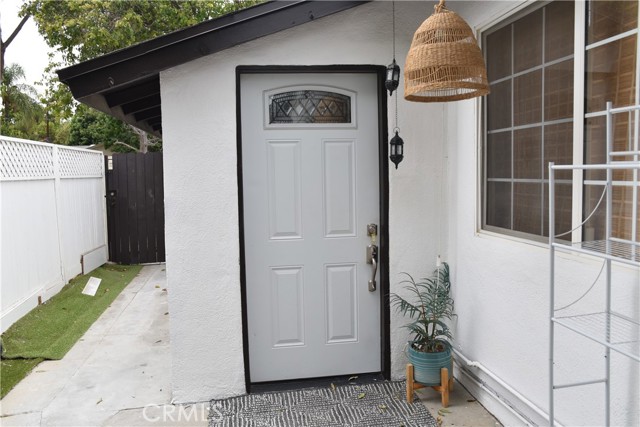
x=372, y=258
x=112, y=197
x=372, y=254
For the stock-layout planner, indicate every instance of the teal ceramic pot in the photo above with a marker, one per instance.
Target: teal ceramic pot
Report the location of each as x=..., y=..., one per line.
x=427, y=366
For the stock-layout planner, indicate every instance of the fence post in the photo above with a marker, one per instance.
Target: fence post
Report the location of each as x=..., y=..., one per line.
x=105, y=206
x=56, y=193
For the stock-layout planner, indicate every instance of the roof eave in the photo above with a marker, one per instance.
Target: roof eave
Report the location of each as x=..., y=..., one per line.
x=97, y=81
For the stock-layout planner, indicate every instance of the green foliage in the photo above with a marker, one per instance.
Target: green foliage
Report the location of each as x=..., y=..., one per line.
x=84, y=29
x=21, y=113
x=89, y=127
x=60, y=132
x=57, y=97
x=429, y=304
x=26, y=116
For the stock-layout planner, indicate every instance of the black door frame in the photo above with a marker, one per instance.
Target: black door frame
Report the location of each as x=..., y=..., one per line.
x=383, y=167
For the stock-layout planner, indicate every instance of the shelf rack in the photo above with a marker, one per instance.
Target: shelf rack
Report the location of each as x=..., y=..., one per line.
x=612, y=330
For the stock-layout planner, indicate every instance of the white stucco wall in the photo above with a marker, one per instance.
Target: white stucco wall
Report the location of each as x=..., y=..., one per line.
x=201, y=196
x=502, y=294
x=500, y=284
x=502, y=299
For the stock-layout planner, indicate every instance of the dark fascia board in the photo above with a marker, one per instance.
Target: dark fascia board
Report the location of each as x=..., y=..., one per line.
x=142, y=61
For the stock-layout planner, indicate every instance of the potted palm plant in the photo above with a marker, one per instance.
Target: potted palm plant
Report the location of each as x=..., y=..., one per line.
x=429, y=304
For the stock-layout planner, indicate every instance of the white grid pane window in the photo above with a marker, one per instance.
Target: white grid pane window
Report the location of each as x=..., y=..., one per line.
x=610, y=75
x=528, y=119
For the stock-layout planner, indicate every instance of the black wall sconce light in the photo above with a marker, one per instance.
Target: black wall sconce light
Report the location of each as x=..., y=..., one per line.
x=396, y=148
x=393, y=76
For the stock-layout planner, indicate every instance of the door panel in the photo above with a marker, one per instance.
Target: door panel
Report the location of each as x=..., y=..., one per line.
x=342, y=305
x=285, y=201
x=287, y=301
x=310, y=187
x=338, y=175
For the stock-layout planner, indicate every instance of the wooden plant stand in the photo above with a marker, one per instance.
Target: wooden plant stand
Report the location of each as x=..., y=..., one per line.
x=446, y=385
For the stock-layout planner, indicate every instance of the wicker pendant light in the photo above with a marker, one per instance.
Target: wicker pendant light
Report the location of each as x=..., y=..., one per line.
x=444, y=62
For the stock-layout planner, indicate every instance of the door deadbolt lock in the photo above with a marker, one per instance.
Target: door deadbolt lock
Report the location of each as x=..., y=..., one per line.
x=372, y=254
x=372, y=232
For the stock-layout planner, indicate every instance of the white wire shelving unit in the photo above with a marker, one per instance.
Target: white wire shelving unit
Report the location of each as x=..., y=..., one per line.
x=614, y=331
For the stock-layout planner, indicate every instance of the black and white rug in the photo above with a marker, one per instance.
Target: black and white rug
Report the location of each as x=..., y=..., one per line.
x=371, y=405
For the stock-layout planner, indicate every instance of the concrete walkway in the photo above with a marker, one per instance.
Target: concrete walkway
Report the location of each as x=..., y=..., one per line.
x=119, y=373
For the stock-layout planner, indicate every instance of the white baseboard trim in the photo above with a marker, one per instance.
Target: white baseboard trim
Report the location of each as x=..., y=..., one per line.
x=94, y=259
x=489, y=400
x=508, y=409
x=9, y=316
x=491, y=389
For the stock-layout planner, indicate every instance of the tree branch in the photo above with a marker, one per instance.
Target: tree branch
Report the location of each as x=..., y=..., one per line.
x=13, y=35
x=126, y=145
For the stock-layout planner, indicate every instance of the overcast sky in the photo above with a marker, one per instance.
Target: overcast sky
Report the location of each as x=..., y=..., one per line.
x=28, y=49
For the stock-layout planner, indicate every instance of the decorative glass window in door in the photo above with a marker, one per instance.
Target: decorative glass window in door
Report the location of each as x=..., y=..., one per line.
x=309, y=106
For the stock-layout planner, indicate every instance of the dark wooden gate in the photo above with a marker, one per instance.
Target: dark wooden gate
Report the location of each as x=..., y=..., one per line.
x=135, y=208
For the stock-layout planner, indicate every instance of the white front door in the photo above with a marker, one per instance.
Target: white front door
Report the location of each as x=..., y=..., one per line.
x=310, y=187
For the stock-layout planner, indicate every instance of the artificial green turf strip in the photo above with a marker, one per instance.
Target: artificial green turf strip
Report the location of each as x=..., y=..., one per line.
x=13, y=371
x=51, y=329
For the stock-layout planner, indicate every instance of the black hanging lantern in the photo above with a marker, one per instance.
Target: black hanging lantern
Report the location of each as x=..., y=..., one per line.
x=393, y=77
x=396, y=148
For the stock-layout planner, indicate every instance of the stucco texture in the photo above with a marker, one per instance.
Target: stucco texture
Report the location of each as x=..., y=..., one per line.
x=500, y=284
x=202, y=231
x=502, y=291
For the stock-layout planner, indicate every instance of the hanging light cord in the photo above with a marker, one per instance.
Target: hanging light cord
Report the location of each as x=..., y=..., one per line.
x=396, y=128
x=441, y=183
x=393, y=14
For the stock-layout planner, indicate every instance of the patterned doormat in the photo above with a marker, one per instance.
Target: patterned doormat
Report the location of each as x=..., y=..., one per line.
x=372, y=405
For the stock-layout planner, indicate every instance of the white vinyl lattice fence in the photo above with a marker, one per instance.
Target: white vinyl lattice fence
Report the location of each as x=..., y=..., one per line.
x=22, y=160
x=52, y=221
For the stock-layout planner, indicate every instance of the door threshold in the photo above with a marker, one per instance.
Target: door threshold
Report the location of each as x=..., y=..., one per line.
x=323, y=382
